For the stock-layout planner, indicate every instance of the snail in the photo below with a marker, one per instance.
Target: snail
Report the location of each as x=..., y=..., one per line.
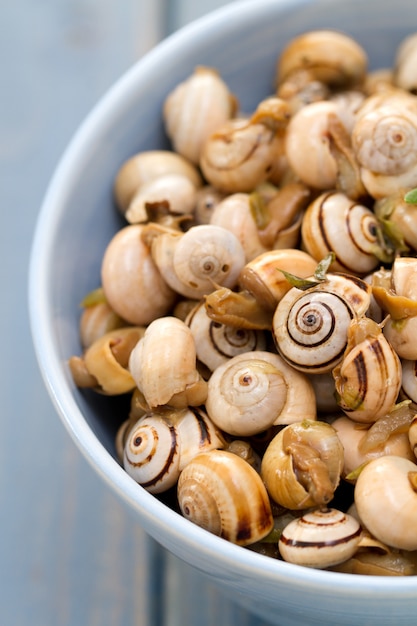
x=172, y=194
x=404, y=73
x=320, y=538
x=360, y=446
x=146, y=166
x=310, y=327
x=224, y=494
x=104, y=365
x=97, y=318
x=161, y=443
x=302, y=465
x=384, y=140
x=216, y=343
x=368, y=379
x=195, y=108
x=335, y=222
x=330, y=57
x=318, y=147
x=386, y=500
x=253, y=391
x=235, y=214
x=132, y=283
x=163, y=365
x=194, y=262
x=240, y=154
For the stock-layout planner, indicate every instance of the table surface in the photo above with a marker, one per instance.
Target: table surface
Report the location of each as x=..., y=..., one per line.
x=70, y=552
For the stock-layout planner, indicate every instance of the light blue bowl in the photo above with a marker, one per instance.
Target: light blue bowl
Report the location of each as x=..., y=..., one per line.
x=78, y=219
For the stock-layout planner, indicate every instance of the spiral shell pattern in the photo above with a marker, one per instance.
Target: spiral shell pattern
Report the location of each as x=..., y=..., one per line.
x=161, y=444
x=310, y=329
x=152, y=454
x=334, y=222
x=222, y=493
x=385, y=140
x=253, y=391
x=204, y=256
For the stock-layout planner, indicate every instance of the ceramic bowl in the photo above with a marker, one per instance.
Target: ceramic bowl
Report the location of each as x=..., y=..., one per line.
x=78, y=219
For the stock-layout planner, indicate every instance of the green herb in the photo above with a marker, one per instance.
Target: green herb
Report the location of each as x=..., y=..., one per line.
x=411, y=196
x=319, y=274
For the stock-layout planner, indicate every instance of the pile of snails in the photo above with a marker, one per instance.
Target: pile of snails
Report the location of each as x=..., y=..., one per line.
x=259, y=310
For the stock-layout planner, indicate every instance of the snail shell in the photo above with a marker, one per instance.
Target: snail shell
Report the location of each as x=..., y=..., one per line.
x=161, y=444
x=146, y=166
x=216, y=343
x=334, y=222
x=368, y=380
x=386, y=501
x=163, y=365
x=405, y=75
x=384, y=140
x=320, y=539
x=332, y=58
x=253, y=391
x=106, y=361
x=132, y=283
x=96, y=320
x=193, y=262
x=222, y=493
x=302, y=465
x=176, y=193
x=241, y=153
x=234, y=213
x=310, y=327
x=308, y=144
x=351, y=437
x=194, y=109
x=264, y=280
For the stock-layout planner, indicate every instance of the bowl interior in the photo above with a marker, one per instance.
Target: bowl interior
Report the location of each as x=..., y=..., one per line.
x=78, y=218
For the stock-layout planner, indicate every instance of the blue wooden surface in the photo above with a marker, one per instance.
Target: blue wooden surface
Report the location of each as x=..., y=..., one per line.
x=70, y=553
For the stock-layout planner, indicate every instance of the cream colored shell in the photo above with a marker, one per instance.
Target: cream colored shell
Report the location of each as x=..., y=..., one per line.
x=194, y=262
x=386, y=501
x=163, y=365
x=194, y=110
x=131, y=281
x=255, y=390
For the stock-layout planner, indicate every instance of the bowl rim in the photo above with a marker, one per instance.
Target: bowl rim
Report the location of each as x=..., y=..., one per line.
x=155, y=515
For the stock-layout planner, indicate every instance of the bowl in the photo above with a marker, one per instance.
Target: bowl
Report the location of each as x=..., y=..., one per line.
x=78, y=219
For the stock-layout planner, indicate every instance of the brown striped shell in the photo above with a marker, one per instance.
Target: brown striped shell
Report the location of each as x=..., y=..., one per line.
x=320, y=538
x=222, y=493
x=310, y=327
x=368, y=380
x=162, y=443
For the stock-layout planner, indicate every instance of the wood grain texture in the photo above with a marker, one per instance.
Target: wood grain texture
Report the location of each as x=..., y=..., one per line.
x=70, y=552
